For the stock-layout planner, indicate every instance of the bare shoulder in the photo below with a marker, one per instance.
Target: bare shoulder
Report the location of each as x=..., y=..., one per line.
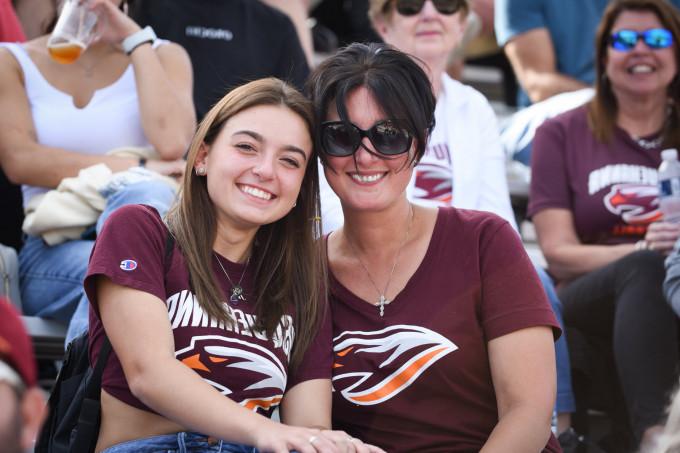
x=36, y=49
x=10, y=69
x=7, y=60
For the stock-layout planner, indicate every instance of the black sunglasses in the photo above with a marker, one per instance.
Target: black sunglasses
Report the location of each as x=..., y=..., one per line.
x=342, y=139
x=413, y=7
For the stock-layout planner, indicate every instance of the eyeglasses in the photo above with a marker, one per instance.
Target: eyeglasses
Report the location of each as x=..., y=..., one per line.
x=342, y=139
x=654, y=38
x=413, y=7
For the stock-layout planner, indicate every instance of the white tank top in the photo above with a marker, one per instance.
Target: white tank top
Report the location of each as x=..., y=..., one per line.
x=110, y=120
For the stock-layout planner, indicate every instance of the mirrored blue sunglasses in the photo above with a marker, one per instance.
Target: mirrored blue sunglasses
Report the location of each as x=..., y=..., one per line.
x=654, y=38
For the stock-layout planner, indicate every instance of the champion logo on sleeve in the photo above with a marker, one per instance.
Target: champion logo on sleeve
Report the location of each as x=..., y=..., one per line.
x=128, y=265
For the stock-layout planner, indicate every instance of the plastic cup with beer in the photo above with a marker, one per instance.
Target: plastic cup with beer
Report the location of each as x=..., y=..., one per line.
x=73, y=32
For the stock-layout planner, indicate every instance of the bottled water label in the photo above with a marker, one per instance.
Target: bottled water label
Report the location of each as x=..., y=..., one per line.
x=669, y=187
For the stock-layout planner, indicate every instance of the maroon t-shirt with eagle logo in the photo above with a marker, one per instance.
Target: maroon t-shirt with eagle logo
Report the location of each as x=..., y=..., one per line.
x=610, y=188
x=239, y=361
x=419, y=378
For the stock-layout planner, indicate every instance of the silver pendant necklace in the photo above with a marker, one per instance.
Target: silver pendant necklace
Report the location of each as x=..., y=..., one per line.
x=236, y=290
x=648, y=144
x=382, y=299
x=655, y=142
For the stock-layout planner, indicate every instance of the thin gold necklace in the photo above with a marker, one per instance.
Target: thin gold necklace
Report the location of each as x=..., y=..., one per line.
x=236, y=290
x=382, y=299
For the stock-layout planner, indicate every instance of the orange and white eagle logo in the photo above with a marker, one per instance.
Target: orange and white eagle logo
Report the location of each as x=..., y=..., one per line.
x=372, y=367
x=637, y=204
x=260, y=372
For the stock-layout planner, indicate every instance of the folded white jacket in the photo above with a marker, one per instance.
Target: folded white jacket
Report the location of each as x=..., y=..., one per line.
x=64, y=213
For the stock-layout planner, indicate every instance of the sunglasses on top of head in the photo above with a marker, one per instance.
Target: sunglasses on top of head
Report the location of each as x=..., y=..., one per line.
x=340, y=139
x=413, y=7
x=654, y=38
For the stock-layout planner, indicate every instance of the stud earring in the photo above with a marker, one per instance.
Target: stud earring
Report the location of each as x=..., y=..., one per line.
x=200, y=171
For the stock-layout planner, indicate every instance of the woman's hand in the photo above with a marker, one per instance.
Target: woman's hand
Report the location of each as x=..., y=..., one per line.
x=348, y=444
x=113, y=25
x=174, y=168
x=283, y=438
x=661, y=236
x=279, y=438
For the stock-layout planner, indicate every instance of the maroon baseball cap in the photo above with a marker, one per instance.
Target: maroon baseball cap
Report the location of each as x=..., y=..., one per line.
x=15, y=345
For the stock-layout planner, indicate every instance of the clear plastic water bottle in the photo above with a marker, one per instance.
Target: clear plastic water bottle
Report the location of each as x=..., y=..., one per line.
x=669, y=186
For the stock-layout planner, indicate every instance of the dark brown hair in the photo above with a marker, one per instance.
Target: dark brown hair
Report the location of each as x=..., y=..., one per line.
x=603, y=108
x=288, y=269
x=395, y=79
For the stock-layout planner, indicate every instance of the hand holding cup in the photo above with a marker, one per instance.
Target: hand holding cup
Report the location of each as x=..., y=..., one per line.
x=73, y=32
x=115, y=24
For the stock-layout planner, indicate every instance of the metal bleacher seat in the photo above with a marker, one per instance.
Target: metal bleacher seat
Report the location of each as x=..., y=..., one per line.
x=48, y=335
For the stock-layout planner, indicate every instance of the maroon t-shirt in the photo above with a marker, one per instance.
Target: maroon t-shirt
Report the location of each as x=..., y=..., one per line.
x=611, y=188
x=419, y=378
x=239, y=361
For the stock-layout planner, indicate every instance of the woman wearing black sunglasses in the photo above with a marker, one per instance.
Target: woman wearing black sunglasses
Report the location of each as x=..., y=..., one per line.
x=443, y=339
x=463, y=164
x=594, y=204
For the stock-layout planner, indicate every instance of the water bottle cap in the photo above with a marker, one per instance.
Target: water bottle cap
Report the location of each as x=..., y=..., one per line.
x=669, y=154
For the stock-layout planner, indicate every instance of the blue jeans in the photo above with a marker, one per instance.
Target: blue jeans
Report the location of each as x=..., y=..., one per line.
x=178, y=443
x=565, y=395
x=52, y=276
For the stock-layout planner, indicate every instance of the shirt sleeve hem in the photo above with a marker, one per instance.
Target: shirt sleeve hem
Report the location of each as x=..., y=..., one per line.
x=123, y=281
x=511, y=322
x=310, y=375
x=536, y=208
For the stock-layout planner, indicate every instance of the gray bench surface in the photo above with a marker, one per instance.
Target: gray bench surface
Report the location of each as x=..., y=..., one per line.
x=47, y=335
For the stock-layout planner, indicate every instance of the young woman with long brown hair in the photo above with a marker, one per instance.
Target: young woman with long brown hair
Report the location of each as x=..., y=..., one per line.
x=225, y=299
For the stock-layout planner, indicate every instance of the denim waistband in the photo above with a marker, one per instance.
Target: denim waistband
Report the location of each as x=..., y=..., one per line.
x=182, y=442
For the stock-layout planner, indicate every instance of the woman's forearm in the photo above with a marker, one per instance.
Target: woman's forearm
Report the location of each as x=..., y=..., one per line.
x=38, y=165
x=166, y=108
x=519, y=429
x=569, y=261
x=198, y=406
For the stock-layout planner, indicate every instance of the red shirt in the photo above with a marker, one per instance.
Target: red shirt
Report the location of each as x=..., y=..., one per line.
x=419, y=378
x=239, y=361
x=10, y=27
x=610, y=188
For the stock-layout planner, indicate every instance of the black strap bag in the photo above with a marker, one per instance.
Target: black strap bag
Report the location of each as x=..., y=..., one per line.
x=72, y=424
